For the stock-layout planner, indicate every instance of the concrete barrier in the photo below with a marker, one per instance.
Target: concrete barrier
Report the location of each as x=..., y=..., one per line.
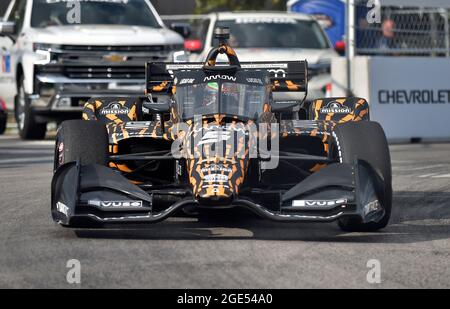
x=409, y=96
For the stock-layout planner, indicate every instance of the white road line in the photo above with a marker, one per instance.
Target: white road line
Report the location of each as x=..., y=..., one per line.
x=6, y=140
x=27, y=160
x=402, y=162
x=6, y=145
x=428, y=175
x=26, y=151
x=426, y=167
x=441, y=176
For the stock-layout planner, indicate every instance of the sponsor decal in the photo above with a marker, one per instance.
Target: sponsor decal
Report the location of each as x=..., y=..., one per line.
x=115, y=108
x=266, y=20
x=175, y=67
x=115, y=58
x=278, y=73
x=372, y=207
x=265, y=66
x=441, y=96
x=62, y=208
x=216, y=168
x=335, y=108
x=61, y=153
x=140, y=125
x=187, y=81
x=215, y=77
x=216, y=178
x=311, y=204
x=255, y=81
x=115, y=204
x=215, y=187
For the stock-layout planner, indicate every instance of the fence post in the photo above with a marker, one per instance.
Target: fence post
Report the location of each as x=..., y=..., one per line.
x=350, y=17
x=447, y=32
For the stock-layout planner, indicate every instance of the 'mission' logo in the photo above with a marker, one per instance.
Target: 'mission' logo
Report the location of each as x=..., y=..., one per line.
x=115, y=108
x=335, y=108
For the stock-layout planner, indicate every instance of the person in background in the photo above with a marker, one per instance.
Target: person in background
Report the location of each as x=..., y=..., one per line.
x=387, y=41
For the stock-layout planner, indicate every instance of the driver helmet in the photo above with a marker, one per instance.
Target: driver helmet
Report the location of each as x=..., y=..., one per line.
x=211, y=93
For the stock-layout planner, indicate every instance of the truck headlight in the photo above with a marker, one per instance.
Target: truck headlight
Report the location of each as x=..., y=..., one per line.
x=44, y=52
x=180, y=56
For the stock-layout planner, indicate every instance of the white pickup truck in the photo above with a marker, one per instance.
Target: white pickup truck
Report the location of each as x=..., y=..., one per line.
x=56, y=54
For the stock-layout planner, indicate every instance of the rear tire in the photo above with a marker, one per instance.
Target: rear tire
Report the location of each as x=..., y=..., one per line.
x=366, y=141
x=86, y=141
x=29, y=129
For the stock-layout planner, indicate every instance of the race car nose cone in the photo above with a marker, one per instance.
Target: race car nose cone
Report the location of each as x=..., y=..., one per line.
x=212, y=182
x=218, y=163
x=215, y=200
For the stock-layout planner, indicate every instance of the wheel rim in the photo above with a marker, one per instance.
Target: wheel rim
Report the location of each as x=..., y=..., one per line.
x=21, y=108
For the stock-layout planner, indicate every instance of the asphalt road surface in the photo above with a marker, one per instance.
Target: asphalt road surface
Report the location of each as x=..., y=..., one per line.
x=414, y=251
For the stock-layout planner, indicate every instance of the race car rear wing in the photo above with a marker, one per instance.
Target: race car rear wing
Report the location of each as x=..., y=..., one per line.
x=287, y=77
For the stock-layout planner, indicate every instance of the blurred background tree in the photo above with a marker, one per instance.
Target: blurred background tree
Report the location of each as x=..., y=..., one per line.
x=208, y=6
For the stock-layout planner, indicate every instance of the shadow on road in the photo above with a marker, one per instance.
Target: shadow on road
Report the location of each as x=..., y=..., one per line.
x=416, y=217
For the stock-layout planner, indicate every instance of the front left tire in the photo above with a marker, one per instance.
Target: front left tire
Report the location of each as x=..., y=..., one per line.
x=83, y=141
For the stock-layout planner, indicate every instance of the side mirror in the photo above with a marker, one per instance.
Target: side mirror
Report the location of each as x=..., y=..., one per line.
x=7, y=28
x=182, y=29
x=194, y=46
x=285, y=106
x=340, y=48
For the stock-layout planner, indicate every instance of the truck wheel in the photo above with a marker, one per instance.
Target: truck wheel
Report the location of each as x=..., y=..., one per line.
x=29, y=129
x=86, y=141
x=3, y=122
x=366, y=141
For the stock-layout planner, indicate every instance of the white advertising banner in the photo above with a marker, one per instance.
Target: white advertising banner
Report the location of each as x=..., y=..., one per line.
x=410, y=96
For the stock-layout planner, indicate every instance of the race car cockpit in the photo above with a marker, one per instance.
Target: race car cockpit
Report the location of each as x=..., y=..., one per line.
x=240, y=95
x=234, y=89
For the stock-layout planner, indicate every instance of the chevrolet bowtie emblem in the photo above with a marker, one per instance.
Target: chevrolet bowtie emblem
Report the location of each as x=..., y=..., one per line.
x=115, y=58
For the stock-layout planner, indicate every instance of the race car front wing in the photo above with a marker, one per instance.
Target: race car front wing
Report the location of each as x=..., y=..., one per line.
x=97, y=194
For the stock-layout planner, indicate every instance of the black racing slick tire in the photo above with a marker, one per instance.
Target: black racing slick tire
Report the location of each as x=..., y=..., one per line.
x=29, y=128
x=83, y=141
x=366, y=141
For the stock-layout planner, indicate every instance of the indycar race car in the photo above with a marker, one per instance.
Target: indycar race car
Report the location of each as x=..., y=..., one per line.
x=210, y=136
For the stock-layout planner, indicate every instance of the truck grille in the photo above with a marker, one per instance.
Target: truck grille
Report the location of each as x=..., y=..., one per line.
x=91, y=61
x=104, y=72
x=95, y=48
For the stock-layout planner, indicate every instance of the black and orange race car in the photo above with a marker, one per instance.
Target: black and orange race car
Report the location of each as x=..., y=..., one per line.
x=209, y=136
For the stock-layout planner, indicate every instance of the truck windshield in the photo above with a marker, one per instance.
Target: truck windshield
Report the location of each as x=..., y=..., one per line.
x=92, y=12
x=274, y=33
